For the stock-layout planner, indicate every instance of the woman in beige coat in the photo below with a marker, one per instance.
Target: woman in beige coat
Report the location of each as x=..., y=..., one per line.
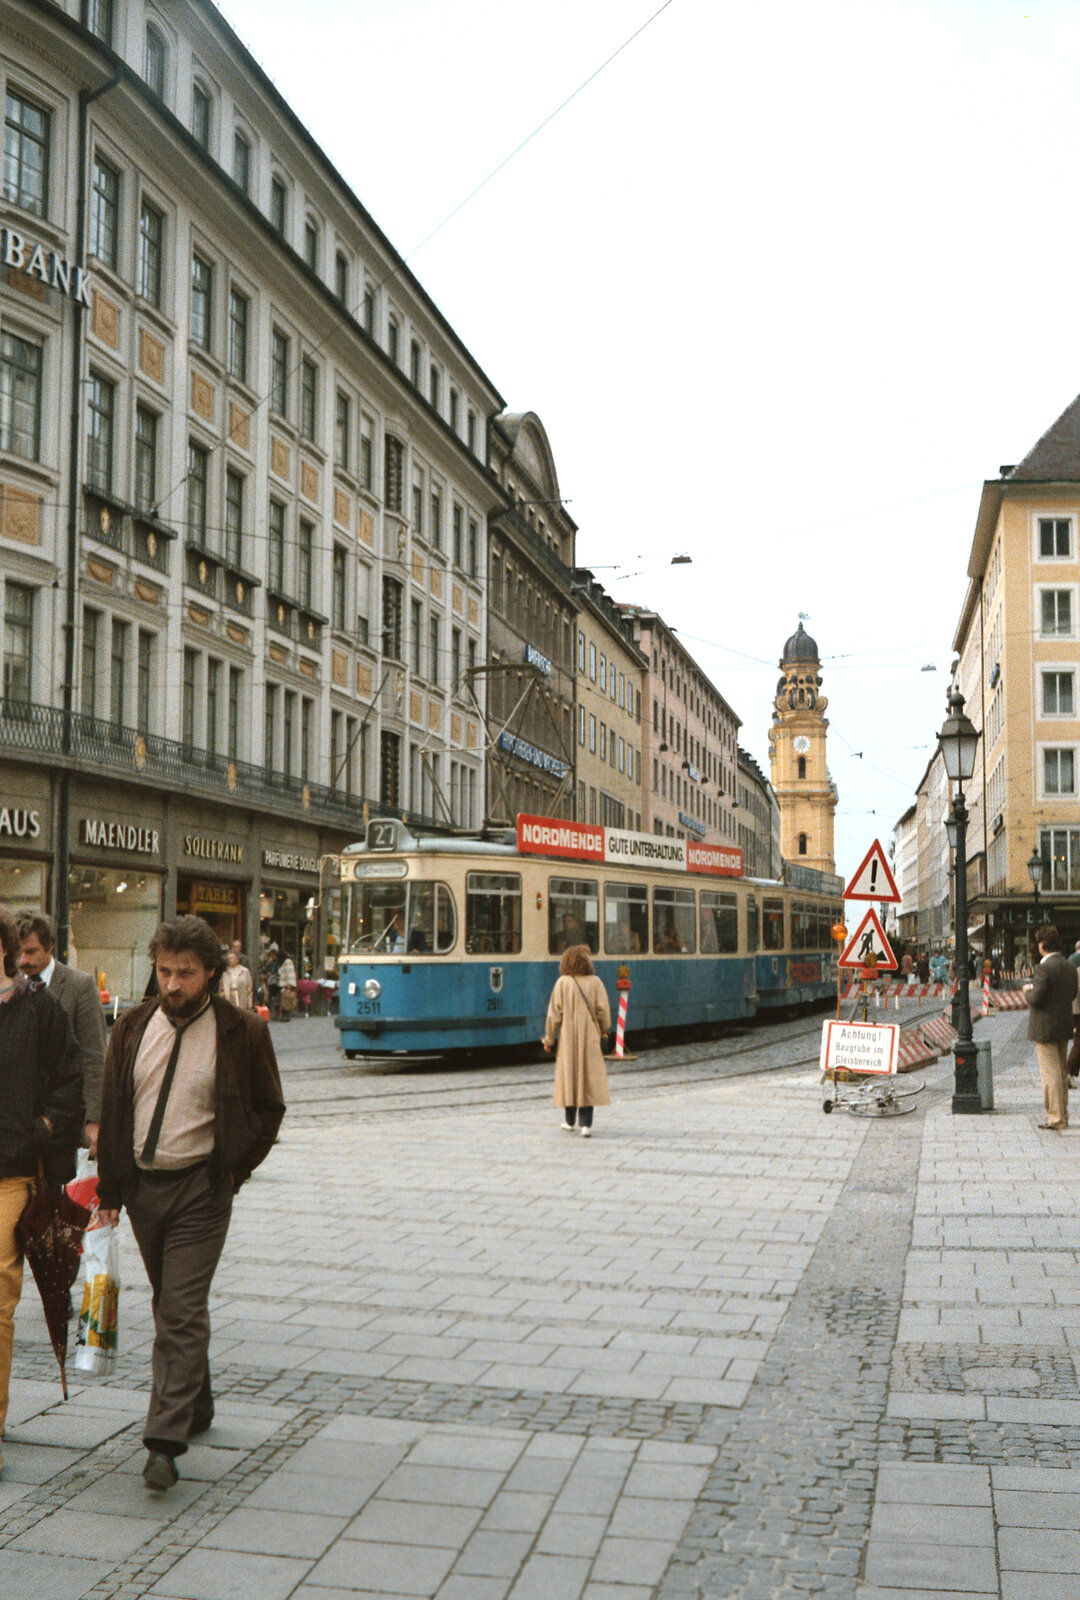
x=579, y=1012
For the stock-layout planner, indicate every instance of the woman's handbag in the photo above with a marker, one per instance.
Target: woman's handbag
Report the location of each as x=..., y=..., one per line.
x=289, y=998
x=605, y=1038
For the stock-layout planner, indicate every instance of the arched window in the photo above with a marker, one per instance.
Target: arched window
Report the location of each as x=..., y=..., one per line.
x=802, y=766
x=802, y=844
x=155, y=62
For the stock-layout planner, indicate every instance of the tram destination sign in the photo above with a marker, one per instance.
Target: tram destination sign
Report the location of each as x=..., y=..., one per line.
x=580, y=841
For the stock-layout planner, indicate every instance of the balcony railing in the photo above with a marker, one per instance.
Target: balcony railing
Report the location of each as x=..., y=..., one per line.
x=106, y=749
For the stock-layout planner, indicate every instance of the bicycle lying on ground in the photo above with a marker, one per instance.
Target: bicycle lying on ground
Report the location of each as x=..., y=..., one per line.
x=879, y=1097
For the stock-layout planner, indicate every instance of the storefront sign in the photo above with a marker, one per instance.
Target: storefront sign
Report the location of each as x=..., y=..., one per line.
x=18, y=824
x=197, y=844
x=213, y=897
x=119, y=836
x=693, y=774
x=290, y=861
x=577, y=841
x=25, y=256
x=528, y=752
x=535, y=659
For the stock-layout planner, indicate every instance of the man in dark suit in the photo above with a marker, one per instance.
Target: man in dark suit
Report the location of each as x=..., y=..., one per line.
x=1050, y=1023
x=80, y=998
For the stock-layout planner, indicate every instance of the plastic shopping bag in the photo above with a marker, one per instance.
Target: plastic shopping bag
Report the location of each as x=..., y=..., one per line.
x=83, y=1186
x=96, y=1339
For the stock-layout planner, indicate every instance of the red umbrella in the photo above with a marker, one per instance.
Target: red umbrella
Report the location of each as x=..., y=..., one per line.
x=49, y=1233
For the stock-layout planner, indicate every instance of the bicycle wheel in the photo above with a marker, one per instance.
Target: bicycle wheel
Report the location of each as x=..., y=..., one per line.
x=905, y=1090
x=873, y=1107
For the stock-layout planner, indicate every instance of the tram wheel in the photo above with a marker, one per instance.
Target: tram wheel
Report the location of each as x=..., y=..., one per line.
x=351, y=1055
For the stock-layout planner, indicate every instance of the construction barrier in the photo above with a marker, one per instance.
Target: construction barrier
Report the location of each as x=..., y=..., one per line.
x=914, y=1051
x=939, y=1033
x=1008, y=999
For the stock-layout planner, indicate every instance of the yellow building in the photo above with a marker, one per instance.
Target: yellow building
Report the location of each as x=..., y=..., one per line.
x=610, y=673
x=1017, y=643
x=800, y=776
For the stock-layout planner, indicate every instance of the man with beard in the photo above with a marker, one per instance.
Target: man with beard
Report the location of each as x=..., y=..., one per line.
x=191, y=1104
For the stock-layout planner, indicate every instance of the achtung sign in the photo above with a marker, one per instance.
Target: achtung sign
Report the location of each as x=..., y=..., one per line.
x=860, y=1047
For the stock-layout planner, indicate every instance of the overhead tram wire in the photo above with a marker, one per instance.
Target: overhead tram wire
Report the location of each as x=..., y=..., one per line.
x=320, y=345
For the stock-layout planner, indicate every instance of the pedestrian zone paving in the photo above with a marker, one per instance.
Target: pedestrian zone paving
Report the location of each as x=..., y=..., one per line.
x=727, y=1348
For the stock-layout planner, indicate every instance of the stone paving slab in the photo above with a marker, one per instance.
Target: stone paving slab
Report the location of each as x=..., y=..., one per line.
x=729, y=1348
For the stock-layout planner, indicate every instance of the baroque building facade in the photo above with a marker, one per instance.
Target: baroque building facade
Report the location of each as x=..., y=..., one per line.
x=244, y=496
x=797, y=752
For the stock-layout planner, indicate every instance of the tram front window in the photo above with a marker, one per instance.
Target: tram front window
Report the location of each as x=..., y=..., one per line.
x=493, y=913
x=390, y=919
x=673, y=922
x=626, y=919
x=773, y=924
x=573, y=914
x=719, y=923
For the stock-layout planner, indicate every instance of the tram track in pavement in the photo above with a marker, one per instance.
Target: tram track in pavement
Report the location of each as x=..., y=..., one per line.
x=404, y=1087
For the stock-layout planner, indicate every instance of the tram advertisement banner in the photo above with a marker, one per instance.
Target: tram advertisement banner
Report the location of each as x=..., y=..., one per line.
x=579, y=841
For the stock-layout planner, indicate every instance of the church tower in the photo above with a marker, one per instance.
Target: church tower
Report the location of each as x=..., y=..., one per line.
x=800, y=776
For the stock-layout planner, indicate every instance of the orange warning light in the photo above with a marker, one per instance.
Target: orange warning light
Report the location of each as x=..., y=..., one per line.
x=839, y=932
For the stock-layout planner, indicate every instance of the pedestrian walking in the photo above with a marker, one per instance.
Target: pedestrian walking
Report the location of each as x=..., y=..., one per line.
x=80, y=1000
x=1050, y=995
x=237, y=984
x=922, y=967
x=907, y=968
x=579, y=1013
x=289, y=996
x=191, y=1105
x=939, y=967
x=272, y=983
x=41, y=1118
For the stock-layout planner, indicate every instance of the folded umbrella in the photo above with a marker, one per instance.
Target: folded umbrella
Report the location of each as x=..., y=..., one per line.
x=49, y=1232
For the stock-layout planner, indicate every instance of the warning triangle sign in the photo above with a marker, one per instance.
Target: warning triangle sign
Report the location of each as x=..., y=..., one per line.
x=873, y=880
x=869, y=940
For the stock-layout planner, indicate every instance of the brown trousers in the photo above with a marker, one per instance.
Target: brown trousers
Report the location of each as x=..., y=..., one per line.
x=179, y=1221
x=1055, y=1081
x=13, y=1193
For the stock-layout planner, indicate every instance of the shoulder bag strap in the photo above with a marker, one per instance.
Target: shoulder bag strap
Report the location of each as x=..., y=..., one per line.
x=589, y=1009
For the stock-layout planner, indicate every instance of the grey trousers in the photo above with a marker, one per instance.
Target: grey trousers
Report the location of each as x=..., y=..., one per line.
x=179, y=1220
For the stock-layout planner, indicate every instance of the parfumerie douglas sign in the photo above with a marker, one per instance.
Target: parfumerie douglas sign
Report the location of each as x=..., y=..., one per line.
x=580, y=841
x=25, y=255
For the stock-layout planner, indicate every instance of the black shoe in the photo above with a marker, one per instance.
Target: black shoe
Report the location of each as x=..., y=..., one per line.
x=159, y=1472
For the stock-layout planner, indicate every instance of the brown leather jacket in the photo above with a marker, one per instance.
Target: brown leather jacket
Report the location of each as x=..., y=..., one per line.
x=248, y=1093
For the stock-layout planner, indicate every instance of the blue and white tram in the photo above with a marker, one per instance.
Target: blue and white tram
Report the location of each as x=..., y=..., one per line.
x=451, y=944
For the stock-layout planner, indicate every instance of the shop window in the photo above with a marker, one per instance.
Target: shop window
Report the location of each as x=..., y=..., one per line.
x=22, y=883
x=493, y=912
x=719, y=923
x=674, y=916
x=573, y=914
x=773, y=920
x=114, y=914
x=626, y=917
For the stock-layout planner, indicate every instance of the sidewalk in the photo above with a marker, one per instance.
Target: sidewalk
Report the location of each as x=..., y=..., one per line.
x=730, y=1347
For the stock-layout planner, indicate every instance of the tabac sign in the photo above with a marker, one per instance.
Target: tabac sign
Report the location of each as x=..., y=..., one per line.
x=24, y=255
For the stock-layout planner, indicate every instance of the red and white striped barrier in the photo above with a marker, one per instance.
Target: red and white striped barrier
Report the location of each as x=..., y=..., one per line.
x=620, y=1026
x=939, y=1033
x=1008, y=999
x=986, y=994
x=914, y=1051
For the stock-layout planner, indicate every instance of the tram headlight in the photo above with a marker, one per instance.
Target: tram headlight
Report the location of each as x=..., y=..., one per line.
x=372, y=989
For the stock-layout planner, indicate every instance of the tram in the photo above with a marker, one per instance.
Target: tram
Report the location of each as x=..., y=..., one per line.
x=451, y=944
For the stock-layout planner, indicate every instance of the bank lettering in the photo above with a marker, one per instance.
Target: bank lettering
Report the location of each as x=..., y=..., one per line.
x=23, y=255
x=196, y=844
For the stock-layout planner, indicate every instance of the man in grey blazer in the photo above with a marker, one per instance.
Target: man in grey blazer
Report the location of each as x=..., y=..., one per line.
x=78, y=994
x=1050, y=1023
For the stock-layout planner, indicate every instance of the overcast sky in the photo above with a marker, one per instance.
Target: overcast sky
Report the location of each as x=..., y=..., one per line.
x=785, y=283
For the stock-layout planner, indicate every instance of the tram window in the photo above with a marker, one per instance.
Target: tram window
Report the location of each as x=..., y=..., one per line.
x=773, y=917
x=674, y=915
x=493, y=912
x=753, y=926
x=573, y=914
x=626, y=919
x=719, y=923
x=379, y=917
x=432, y=922
x=822, y=925
x=801, y=926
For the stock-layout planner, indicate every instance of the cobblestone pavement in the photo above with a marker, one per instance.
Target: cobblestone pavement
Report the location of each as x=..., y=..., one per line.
x=727, y=1348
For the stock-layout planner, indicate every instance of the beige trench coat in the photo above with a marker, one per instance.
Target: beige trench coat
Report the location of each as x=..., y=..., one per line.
x=237, y=985
x=580, y=1073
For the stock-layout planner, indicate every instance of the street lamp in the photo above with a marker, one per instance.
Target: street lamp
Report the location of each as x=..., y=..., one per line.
x=957, y=742
x=1035, y=872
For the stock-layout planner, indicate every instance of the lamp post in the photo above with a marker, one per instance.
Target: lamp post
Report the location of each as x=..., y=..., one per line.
x=957, y=741
x=1035, y=872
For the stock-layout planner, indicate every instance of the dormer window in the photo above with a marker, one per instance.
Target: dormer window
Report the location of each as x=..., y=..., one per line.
x=201, y=112
x=278, y=204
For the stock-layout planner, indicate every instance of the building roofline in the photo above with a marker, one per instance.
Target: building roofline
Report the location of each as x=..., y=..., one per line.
x=644, y=614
